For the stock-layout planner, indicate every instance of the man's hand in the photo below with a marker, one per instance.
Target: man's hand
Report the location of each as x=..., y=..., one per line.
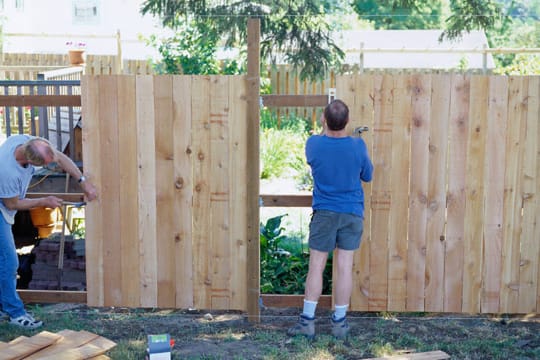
x=89, y=190
x=51, y=202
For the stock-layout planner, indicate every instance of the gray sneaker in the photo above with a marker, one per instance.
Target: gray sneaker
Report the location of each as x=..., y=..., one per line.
x=305, y=326
x=340, y=328
x=3, y=315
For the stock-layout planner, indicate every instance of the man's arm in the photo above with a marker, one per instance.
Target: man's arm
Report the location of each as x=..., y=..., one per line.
x=15, y=203
x=69, y=166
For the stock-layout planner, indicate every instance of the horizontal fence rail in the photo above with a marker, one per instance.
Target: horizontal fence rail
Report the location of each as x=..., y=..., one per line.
x=46, y=108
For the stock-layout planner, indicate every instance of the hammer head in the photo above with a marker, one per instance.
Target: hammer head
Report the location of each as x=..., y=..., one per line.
x=359, y=130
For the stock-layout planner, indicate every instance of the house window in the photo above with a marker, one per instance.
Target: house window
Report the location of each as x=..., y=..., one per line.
x=86, y=12
x=19, y=5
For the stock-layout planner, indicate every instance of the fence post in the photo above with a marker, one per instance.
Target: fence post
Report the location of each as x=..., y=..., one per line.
x=253, y=118
x=119, y=61
x=361, y=65
x=43, y=127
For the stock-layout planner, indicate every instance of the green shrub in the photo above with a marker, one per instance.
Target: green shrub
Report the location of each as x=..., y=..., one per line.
x=282, y=151
x=282, y=271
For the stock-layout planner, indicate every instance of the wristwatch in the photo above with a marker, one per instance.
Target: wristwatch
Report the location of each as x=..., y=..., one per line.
x=82, y=179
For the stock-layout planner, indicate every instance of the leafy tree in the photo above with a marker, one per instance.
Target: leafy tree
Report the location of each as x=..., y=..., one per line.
x=465, y=15
x=293, y=30
x=398, y=15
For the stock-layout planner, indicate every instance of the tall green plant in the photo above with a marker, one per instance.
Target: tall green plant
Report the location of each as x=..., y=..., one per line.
x=284, y=272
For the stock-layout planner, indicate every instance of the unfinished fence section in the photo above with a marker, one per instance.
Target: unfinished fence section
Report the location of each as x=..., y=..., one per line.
x=168, y=155
x=453, y=222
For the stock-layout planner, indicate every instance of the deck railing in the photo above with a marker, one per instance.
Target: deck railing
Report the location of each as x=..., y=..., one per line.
x=46, y=108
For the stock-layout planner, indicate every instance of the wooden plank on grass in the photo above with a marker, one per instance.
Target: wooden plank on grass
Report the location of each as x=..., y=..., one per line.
x=429, y=355
x=220, y=240
x=381, y=196
x=165, y=220
x=128, y=193
x=183, y=190
x=92, y=153
x=70, y=339
x=436, y=195
x=416, y=251
x=515, y=135
x=28, y=346
x=474, y=188
x=53, y=296
x=494, y=193
x=457, y=156
x=399, y=177
x=200, y=108
x=110, y=189
x=529, y=241
x=146, y=173
x=95, y=347
x=238, y=168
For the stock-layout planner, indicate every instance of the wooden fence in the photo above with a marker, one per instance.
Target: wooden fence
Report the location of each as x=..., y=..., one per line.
x=28, y=66
x=168, y=155
x=451, y=220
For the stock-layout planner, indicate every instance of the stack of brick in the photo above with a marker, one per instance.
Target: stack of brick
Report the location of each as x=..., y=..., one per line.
x=45, y=272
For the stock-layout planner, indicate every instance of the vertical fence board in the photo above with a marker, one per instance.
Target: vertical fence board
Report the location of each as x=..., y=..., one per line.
x=416, y=254
x=128, y=192
x=110, y=190
x=220, y=242
x=436, y=195
x=201, y=196
x=94, y=232
x=457, y=156
x=361, y=114
x=184, y=191
x=530, y=245
x=381, y=196
x=512, y=195
x=537, y=195
x=494, y=193
x=147, y=190
x=474, y=188
x=399, y=179
x=165, y=221
x=237, y=202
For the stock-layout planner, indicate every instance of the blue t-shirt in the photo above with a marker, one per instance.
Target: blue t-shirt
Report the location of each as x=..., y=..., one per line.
x=14, y=178
x=338, y=165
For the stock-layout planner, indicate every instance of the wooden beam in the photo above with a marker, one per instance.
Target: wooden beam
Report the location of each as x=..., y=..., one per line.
x=75, y=197
x=40, y=100
x=286, y=200
x=295, y=100
x=52, y=296
x=252, y=181
x=285, y=301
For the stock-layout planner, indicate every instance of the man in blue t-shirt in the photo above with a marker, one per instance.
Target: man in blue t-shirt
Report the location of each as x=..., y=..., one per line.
x=339, y=163
x=19, y=154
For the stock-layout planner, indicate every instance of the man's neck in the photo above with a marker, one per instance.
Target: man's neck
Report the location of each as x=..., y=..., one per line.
x=336, y=133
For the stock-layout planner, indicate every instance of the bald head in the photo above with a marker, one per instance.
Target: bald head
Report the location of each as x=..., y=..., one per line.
x=336, y=114
x=38, y=152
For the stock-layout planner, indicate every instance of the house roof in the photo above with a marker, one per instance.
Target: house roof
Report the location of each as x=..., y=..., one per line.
x=352, y=41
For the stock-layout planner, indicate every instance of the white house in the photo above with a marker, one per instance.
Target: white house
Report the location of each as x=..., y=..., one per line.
x=92, y=22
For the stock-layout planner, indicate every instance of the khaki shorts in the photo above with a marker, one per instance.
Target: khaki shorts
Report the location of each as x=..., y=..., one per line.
x=329, y=229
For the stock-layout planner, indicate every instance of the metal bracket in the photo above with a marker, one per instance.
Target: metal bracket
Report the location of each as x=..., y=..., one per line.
x=331, y=94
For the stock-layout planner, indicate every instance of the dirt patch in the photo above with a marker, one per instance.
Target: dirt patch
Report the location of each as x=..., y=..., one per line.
x=228, y=335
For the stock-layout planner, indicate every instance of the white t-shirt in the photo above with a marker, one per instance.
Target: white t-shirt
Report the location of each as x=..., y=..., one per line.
x=14, y=178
